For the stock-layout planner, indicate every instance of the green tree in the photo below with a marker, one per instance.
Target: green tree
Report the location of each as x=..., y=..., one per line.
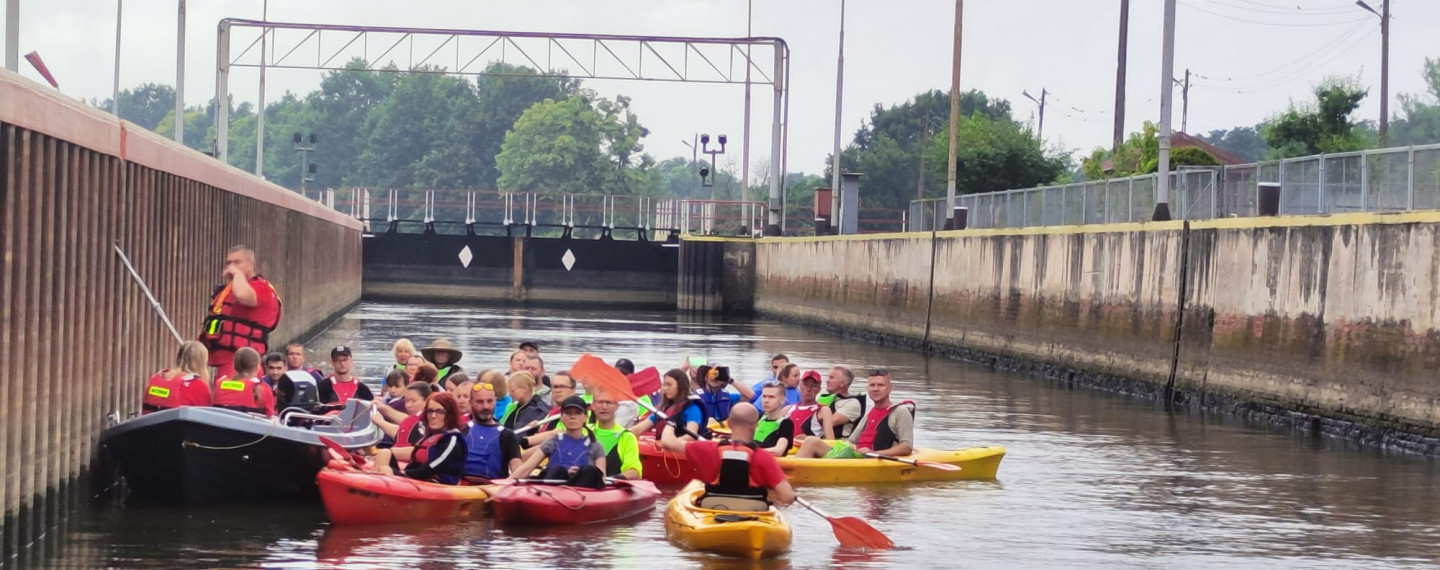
x=1140, y=154
x=582, y=144
x=505, y=91
x=344, y=102
x=1421, y=123
x=145, y=105
x=994, y=155
x=1320, y=127
x=420, y=136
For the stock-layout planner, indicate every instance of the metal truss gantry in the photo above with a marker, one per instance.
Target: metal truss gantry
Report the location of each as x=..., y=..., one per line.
x=464, y=52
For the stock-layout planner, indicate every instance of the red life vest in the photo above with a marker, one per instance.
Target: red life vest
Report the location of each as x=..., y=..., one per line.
x=162, y=393
x=229, y=325
x=239, y=394
x=422, y=451
x=800, y=417
x=877, y=433
x=407, y=431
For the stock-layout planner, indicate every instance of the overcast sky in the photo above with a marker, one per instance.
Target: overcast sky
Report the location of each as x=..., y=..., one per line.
x=1249, y=58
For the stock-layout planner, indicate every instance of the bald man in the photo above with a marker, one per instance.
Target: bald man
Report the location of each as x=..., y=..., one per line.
x=719, y=465
x=242, y=312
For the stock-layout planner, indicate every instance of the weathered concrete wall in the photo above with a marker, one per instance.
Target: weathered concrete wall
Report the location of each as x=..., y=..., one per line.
x=78, y=339
x=1334, y=318
x=716, y=275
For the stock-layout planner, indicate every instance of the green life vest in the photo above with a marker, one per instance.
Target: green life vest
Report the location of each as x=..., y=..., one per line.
x=825, y=399
x=617, y=457
x=765, y=427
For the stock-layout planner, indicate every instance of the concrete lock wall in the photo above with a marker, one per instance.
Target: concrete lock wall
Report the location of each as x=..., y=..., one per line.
x=1327, y=322
x=78, y=339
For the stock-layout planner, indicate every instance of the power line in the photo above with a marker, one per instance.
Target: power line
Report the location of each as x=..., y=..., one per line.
x=1273, y=23
x=1314, y=54
x=1289, y=77
x=1271, y=9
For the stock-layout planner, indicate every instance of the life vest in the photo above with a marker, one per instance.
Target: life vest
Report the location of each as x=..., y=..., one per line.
x=877, y=433
x=800, y=416
x=717, y=405
x=766, y=426
x=304, y=393
x=422, y=451
x=163, y=393
x=484, y=458
x=610, y=438
x=444, y=373
x=833, y=401
x=679, y=410
x=226, y=326
x=572, y=452
x=734, y=478
x=239, y=394
x=409, y=430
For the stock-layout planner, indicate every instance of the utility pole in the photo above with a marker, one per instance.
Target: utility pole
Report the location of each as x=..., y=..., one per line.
x=115, y=96
x=1184, y=101
x=260, y=119
x=745, y=152
x=1167, y=76
x=954, y=120
x=839, y=92
x=180, y=77
x=924, y=148
x=1040, y=130
x=1384, y=15
x=1120, y=77
x=12, y=35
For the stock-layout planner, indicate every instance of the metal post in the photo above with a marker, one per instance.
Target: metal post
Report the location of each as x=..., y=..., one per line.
x=115, y=97
x=260, y=109
x=1320, y=188
x=1120, y=77
x=222, y=93
x=1384, y=73
x=1167, y=76
x=12, y=35
x=954, y=119
x=777, y=217
x=180, y=76
x=745, y=153
x=1410, y=192
x=1365, y=182
x=839, y=92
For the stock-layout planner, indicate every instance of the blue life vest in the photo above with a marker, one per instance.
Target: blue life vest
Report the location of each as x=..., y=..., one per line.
x=571, y=452
x=483, y=458
x=717, y=405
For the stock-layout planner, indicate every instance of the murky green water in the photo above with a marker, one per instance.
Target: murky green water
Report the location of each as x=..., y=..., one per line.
x=1091, y=479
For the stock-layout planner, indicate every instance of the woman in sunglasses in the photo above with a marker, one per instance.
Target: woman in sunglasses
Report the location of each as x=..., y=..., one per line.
x=440, y=457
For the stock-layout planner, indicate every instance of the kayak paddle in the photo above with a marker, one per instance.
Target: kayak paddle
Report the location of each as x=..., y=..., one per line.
x=341, y=451
x=543, y=421
x=850, y=531
x=930, y=464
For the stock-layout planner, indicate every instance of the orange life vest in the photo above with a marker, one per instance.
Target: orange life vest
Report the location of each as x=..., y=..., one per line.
x=239, y=394
x=163, y=393
x=227, y=324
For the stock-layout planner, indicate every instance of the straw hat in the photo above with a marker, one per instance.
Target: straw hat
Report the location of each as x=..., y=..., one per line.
x=438, y=346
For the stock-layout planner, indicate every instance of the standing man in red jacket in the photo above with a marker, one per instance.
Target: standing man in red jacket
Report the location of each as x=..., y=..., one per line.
x=242, y=312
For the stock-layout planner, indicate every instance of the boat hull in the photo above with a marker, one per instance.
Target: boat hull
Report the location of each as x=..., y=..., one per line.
x=359, y=497
x=752, y=535
x=976, y=464
x=552, y=505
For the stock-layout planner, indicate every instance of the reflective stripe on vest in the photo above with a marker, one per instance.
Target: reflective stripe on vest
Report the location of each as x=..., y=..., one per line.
x=239, y=394
x=225, y=330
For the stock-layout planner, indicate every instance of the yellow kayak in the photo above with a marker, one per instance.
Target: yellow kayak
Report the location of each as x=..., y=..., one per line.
x=753, y=535
x=976, y=463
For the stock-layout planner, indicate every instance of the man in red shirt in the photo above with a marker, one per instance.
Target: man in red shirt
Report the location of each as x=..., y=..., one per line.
x=242, y=312
x=341, y=386
x=245, y=391
x=736, y=475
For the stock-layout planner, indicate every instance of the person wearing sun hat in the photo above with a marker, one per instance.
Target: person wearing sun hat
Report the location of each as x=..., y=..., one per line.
x=445, y=357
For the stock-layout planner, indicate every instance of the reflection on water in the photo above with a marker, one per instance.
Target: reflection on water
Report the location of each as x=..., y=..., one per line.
x=1091, y=480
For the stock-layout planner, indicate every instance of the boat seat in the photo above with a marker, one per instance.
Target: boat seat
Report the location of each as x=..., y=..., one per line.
x=716, y=502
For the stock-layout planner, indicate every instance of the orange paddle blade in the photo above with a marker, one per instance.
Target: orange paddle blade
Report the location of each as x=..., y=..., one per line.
x=646, y=381
x=856, y=533
x=597, y=375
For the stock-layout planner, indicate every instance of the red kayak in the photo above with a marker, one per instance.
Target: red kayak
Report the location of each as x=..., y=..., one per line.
x=539, y=504
x=663, y=467
x=354, y=496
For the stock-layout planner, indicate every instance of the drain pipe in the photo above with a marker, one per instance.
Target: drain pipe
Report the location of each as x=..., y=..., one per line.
x=1180, y=312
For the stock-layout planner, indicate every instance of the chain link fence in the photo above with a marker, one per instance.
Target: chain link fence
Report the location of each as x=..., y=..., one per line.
x=1389, y=180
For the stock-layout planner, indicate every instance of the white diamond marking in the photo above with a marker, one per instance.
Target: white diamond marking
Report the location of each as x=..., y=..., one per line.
x=466, y=256
x=568, y=259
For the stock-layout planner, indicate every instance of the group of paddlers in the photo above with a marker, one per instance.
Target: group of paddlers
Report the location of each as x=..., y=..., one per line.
x=442, y=425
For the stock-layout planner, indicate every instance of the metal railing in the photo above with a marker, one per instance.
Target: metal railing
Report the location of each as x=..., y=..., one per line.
x=1388, y=180
x=472, y=211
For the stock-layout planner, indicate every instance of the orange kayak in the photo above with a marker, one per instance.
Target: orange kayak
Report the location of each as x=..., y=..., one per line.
x=354, y=496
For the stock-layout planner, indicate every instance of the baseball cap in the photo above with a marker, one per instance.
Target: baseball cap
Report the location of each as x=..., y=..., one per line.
x=624, y=365
x=341, y=350
x=811, y=376
x=574, y=402
x=531, y=344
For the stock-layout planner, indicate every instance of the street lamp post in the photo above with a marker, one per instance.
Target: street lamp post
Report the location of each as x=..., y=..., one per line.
x=1384, y=15
x=1040, y=130
x=180, y=76
x=12, y=35
x=705, y=148
x=307, y=168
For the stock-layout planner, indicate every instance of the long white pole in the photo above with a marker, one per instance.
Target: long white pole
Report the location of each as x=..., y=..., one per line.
x=1167, y=77
x=952, y=168
x=745, y=153
x=12, y=35
x=839, y=97
x=180, y=76
x=115, y=96
x=260, y=119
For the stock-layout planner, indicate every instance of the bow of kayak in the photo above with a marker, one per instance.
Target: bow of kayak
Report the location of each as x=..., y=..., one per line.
x=743, y=534
x=353, y=496
x=540, y=504
x=976, y=464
